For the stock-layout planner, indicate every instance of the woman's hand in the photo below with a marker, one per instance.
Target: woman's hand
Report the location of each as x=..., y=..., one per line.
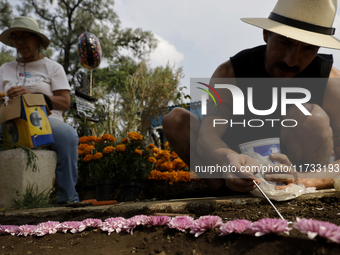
x=17, y=91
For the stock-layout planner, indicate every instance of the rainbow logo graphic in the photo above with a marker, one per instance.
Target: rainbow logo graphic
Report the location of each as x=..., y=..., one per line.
x=204, y=98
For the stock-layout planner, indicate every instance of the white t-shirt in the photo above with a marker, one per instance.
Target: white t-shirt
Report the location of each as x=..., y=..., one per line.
x=43, y=76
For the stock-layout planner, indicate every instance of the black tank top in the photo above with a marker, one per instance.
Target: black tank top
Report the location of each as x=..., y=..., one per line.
x=250, y=64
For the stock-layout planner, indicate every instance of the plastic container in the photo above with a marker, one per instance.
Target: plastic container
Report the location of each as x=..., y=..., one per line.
x=263, y=147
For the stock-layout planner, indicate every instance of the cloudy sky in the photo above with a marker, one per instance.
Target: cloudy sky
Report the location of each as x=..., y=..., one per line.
x=199, y=35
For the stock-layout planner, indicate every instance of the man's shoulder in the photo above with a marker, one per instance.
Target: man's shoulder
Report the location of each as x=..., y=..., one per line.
x=224, y=70
x=335, y=73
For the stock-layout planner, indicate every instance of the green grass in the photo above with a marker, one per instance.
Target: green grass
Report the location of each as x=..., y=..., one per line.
x=33, y=199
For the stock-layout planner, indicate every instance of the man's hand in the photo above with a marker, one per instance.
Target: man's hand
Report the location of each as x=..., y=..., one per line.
x=287, y=177
x=281, y=158
x=295, y=177
x=242, y=179
x=17, y=91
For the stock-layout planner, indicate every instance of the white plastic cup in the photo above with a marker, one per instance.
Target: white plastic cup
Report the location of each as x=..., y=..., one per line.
x=264, y=147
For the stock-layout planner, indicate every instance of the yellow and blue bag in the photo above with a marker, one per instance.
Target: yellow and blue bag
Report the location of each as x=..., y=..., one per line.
x=24, y=121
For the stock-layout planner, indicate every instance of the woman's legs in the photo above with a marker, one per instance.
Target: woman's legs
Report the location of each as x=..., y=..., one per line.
x=66, y=146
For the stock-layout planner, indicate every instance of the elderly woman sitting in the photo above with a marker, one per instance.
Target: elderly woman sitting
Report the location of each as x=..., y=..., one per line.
x=31, y=72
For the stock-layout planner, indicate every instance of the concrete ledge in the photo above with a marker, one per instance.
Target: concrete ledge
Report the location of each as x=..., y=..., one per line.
x=14, y=178
x=194, y=207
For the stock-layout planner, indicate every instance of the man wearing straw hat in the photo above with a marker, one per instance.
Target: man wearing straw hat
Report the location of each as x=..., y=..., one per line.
x=293, y=33
x=31, y=72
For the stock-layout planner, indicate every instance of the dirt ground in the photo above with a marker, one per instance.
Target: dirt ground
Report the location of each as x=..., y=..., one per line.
x=162, y=240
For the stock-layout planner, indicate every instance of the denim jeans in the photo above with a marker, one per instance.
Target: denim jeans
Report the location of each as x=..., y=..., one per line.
x=66, y=145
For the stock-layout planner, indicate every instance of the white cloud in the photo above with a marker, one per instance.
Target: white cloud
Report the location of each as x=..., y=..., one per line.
x=165, y=53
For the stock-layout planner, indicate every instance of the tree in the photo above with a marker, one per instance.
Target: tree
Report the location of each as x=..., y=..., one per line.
x=63, y=21
x=147, y=95
x=113, y=78
x=5, y=56
x=144, y=96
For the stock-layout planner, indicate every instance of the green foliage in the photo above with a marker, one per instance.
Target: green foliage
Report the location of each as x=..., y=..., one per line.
x=6, y=56
x=114, y=78
x=33, y=199
x=138, y=94
x=148, y=94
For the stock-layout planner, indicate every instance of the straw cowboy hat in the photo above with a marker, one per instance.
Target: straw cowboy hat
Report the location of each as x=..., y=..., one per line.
x=308, y=21
x=23, y=23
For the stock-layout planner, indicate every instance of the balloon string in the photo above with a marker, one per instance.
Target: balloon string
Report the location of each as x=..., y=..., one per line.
x=91, y=83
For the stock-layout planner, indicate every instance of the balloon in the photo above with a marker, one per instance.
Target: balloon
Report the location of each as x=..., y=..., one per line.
x=89, y=51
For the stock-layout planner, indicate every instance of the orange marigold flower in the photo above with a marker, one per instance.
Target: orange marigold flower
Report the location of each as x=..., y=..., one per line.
x=138, y=152
x=152, y=160
x=88, y=157
x=97, y=156
x=174, y=154
x=88, y=149
x=124, y=140
x=121, y=148
x=178, y=164
x=112, y=139
x=98, y=140
x=155, y=150
x=167, y=166
x=134, y=136
x=83, y=139
x=108, y=137
x=151, y=145
x=80, y=152
x=163, y=154
x=171, y=177
x=159, y=163
x=166, y=145
x=91, y=138
x=82, y=146
x=153, y=175
x=108, y=149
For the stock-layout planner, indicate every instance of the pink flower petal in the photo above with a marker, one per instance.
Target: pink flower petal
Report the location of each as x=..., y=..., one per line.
x=72, y=226
x=157, y=221
x=113, y=224
x=92, y=223
x=50, y=227
x=265, y=226
x=205, y=222
x=26, y=230
x=9, y=229
x=235, y=226
x=133, y=222
x=321, y=228
x=181, y=223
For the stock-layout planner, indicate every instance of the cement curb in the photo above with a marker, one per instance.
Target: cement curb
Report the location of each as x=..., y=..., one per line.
x=194, y=207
